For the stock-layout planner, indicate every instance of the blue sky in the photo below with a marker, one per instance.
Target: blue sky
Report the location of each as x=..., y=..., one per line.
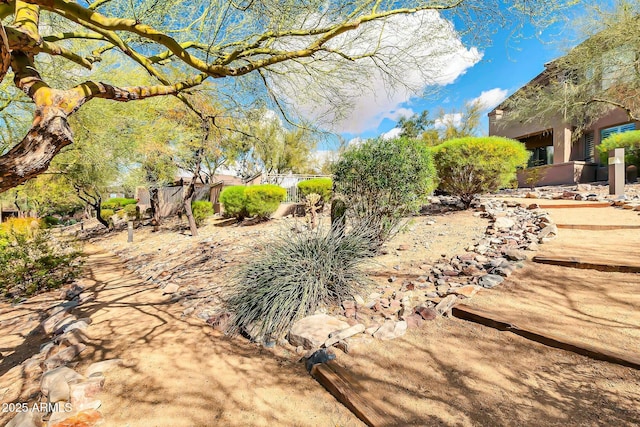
x=507, y=64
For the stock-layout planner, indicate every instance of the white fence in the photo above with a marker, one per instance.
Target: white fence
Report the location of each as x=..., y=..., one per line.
x=290, y=183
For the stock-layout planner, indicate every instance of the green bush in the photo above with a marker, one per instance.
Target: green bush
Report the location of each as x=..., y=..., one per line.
x=50, y=221
x=117, y=203
x=296, y=275
x=106, y=214
x=321, y=186
x=132, y=211
x=630, y=141
x=263, y=200
x=201, y=210
x=31, y=261
x=383, y=180
x=471, y=166
x=233, y=201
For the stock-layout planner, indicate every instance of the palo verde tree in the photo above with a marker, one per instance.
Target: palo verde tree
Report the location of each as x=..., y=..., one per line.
x=598, y=75
x=249, y=42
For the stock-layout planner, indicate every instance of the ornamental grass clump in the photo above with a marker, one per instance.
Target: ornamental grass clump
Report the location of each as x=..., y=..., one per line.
x=296, y=275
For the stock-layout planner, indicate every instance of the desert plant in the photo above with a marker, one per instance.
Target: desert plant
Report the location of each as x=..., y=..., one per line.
x=201, y=210
x=263, y=200
x=297, y=274
x=311, y=205
x=132, y=211
x=321, y=186
x=50, y=221
x=383, y=180
x=106, y=214
x=630, y=141
x=32, y=260
x=475, y=165
x=233, y=201
x=118, y=203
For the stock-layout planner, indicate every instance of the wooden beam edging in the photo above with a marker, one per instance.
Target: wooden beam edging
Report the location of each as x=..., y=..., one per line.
x=573, y=205
x=573, y=262
x=598, y=227
x=345, y=389
x=494, y=320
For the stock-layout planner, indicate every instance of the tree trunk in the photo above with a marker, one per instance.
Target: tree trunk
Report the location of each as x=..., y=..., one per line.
x=154, y=198
x=189, y=212
x=98, y=207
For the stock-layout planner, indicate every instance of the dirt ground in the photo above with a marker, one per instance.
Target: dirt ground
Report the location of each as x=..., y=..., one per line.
x=179, y=372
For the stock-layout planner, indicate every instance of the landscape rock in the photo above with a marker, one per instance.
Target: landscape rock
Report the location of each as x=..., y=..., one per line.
x=82, y=393
x=426, y=313
x=312, y=331
x=515, y=255
x=86, y=418
x=170, y=288
x=446, y=304
x=490, y=281
x=55, y=383
x=26, y=419
x=391, y=330
x=335, y=337
x=504, y=223
x=63, y=357
x=466, y=291
x=49, y=324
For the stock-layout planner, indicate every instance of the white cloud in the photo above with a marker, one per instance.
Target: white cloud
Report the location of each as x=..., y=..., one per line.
x=454, y=119
x=418, y=51
x=392, y=133
x=354, y=142
x=490, y=98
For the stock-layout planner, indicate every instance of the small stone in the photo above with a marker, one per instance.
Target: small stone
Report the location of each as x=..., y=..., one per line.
x=391, y=330
x=550, y=230
x=465, y=291
x=312, y=331
x=504, y=223
x=170, y=288
x=82, y=393
x=426, y=313
x=49, y=324
x=359, y=300
x=414, y=321
x=346, y=333
x=403, y=248
x=63, y=357
x=26, y=419
x=490, y=281
x=86, y=418
x=391, y=279
x=446, y=304
x=55, y=383
x=515, y=255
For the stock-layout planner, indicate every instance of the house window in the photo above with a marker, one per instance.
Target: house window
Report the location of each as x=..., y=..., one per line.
x=604, y=133
x=589, y=147
x=541, y=156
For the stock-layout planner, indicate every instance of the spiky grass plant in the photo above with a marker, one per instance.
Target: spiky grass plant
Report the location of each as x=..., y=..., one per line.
x=296, y=275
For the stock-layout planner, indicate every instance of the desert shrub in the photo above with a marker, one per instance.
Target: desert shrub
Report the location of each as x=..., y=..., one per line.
x=50, y=221
x=201, y=210
x=383, y=180
x=321, y=186
x=132, y=211
x=296, y=275
x=32, y=260
x=106, y=214
x=630, y=141
x=118, y=203
x=471, y=166
x=233, y=201
x=263, y=200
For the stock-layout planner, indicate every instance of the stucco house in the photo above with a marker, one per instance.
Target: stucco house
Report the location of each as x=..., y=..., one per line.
x=558, y=156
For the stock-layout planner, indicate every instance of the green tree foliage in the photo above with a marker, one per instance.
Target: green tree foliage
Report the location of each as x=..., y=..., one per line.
x=260, y=49
x=321, y=186
x=470, y=166
x=31, y=260
x=630, y=141
x=385, y=180
x=233, y=201
x=201, y=210
x=597, y=76
x=263, y=200
x=446, y=125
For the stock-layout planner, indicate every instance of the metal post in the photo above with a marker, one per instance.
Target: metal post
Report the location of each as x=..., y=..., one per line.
x=616, y=172
x=130, y=238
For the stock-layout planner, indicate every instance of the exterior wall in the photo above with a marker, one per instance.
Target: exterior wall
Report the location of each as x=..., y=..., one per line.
x=613, y=118
x=559, y=174
x=561, y=133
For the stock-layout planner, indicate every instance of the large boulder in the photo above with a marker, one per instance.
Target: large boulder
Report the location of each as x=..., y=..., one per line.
x=312, y=331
